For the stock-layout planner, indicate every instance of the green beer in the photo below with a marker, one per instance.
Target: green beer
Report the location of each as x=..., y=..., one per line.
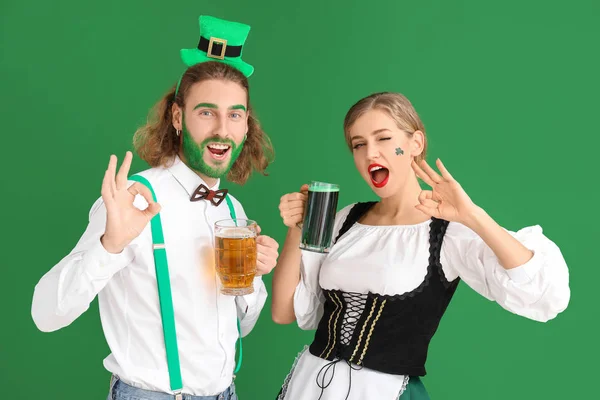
x=321, y=207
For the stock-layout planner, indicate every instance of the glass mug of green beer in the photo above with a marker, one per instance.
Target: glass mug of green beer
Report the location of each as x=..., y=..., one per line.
x=319, y=217
x=235, y=255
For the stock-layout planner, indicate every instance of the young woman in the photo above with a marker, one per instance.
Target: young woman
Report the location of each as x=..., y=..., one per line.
x=377, y=297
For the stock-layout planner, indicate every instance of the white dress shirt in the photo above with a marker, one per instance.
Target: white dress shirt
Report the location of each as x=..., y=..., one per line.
x=393, y=260
x=126, y=286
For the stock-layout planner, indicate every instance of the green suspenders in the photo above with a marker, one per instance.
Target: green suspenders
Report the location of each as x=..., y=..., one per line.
x=164, y=294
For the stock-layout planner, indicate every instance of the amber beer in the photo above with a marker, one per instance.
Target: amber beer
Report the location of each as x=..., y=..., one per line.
x=235, y=255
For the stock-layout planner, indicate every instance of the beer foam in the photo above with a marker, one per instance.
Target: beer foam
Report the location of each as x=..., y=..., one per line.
x=236, y=233
x=316, y=186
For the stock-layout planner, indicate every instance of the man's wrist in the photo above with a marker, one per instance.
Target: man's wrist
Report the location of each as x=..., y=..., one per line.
x=109, y=246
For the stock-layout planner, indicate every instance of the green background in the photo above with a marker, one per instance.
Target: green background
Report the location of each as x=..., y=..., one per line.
x=507, y=91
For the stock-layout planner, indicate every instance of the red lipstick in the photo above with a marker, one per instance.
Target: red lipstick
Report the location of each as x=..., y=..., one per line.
x=373, y=168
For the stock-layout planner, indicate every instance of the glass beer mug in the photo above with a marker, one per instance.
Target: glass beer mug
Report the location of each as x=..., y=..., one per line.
x=235, y=255
x=319, y=217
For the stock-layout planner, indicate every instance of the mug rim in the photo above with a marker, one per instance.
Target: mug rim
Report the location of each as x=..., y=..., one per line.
x=249, y=222
x=325, y=186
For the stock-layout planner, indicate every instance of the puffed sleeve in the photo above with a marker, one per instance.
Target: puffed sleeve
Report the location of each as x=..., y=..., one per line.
x=538, y=290
x=308, y=297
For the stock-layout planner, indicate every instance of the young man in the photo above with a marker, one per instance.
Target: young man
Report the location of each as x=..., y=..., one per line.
x=148, y=250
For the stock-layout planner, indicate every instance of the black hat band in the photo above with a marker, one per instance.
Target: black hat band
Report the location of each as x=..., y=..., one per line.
x=218, y=48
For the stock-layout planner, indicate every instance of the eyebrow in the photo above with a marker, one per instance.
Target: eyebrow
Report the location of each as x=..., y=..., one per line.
x=207, y=105
x=375, y=132
x=211, y=105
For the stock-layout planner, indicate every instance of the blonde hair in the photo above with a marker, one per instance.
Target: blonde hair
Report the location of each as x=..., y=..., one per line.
x=157, y=142
x=397, y=106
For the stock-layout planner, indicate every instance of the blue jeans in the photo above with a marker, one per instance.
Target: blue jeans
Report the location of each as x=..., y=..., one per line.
x=119, y=390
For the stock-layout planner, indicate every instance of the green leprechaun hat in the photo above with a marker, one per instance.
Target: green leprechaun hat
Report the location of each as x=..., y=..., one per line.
x=222, y=41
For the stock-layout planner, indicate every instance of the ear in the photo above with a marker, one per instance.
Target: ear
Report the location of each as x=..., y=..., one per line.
x=177, y=113
x=418, y=143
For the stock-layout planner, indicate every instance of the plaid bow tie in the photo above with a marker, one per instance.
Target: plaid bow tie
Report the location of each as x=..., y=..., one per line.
x=203, y=192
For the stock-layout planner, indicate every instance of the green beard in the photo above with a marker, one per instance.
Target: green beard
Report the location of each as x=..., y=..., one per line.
x=194, y=154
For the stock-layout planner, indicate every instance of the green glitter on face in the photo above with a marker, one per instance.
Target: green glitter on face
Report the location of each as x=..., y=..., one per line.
x=194, y=154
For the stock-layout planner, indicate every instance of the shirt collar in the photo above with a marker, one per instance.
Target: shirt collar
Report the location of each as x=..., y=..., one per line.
x=187, y=178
